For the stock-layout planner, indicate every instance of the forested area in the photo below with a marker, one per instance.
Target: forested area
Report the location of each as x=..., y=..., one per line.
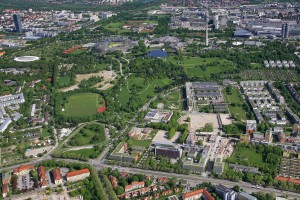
x=268, y=166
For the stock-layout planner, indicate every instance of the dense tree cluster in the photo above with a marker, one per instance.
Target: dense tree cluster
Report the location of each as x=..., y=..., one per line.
x=269, y=165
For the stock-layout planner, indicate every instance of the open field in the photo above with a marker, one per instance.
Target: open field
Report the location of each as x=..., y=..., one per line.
x=172, y=101
x=140, y=88
x=248, y=154
x=203, y=67
x=235, y=101
x=116, y=27
x=108, y=76
x=83, y=104
x=63, y=81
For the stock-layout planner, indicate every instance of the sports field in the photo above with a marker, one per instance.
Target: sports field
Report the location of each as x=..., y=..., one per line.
x=83, y=104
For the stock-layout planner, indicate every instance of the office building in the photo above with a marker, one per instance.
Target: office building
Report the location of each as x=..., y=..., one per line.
x=245, y=196
x=225, y=193
x=18, y=23
x=169, y=152
x=285, y=30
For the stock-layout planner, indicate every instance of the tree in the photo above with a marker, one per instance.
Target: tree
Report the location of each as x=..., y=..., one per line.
x=188, y=119
x=147, y=183
x=236, y=188
x=171, y=133
x=119, y=190
x=200, y=143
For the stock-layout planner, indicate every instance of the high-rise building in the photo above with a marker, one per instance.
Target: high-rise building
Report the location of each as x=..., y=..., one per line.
x=18, y=23
x=285, y=30
x=206, y=29
x=216, y=21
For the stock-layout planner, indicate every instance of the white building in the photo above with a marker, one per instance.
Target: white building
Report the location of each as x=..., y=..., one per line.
x=8, y=100
x=78, y=175
x=4, y=124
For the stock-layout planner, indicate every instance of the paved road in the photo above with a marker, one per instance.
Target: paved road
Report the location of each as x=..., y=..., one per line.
x=196, y=179
x=192, y=178
x=121, y=65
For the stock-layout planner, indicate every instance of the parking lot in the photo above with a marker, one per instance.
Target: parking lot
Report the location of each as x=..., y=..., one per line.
x=49, y=176
x=162, y=136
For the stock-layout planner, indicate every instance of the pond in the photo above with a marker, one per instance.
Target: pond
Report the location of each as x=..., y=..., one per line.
x=158, y=53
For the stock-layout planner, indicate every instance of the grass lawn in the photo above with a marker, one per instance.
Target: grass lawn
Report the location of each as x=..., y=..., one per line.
x=144, y=89
x=116, y=27
x=76, y=52
x=85, y=152
x=235, y=98
x=63, y=81
x=192, y=66
x=141, y=143
x=45, y=133
x=249, y=155
x=171, y=101
x=173, y=97
x=82, y=104
x=102, y=66
x=115, y=44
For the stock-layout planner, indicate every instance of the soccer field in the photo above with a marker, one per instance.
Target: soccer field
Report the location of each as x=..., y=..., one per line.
x=83, y=104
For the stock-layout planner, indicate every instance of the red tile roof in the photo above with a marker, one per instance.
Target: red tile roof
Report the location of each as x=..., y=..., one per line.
x=140, y=184
x=295, y=181
x=56, y=174
x=287, y=179
x=42, y=172
x=162, y=179
x=4, y=188
x=198, y=192
x=167, y=192
x=280, y=178
x=78, y=172
x=42, y=175
x=23, y=168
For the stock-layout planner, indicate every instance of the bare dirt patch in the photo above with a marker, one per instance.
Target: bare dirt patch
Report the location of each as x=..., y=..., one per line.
x=198, y=120
x=108, y=76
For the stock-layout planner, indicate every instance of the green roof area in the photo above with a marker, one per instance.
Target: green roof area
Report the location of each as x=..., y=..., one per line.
x=218, y=160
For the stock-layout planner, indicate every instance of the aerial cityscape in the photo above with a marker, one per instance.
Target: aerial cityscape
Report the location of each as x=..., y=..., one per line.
x=150, y=99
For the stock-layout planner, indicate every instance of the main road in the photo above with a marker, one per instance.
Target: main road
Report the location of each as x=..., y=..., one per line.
x=191, y=178
x=197, y=179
